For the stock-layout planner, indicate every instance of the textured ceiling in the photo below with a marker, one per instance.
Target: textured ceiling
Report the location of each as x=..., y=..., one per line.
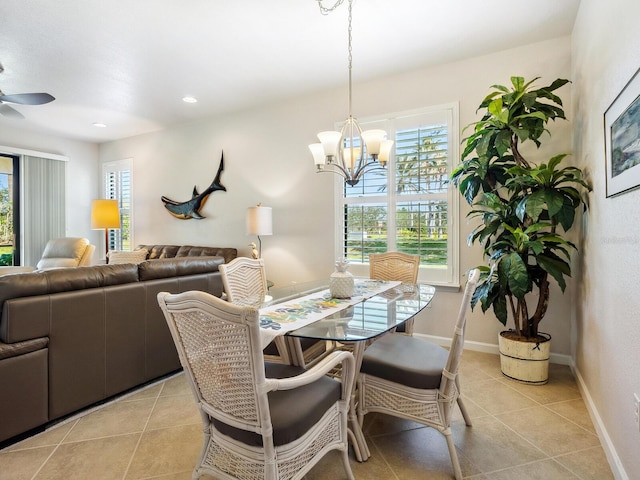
x=128, y=63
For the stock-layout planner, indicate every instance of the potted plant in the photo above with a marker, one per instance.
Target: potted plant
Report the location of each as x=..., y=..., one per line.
x=525, y=210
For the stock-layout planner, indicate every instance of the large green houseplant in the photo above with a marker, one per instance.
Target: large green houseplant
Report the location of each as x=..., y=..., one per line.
x=524, y=208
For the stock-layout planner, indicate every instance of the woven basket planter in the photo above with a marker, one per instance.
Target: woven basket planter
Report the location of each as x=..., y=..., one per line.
x=526, y=362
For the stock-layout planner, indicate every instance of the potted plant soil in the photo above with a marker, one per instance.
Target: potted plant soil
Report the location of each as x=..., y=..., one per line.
x=525, y=210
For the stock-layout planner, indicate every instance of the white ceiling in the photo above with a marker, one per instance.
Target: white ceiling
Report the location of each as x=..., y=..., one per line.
x=128, y=63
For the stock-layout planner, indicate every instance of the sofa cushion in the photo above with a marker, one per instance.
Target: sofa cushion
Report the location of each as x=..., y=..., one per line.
x=127, y=256
x=171, y=251
x=177, y=267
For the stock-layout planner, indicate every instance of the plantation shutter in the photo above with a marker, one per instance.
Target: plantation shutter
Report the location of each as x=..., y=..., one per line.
x=407, y=206
x=118, y=186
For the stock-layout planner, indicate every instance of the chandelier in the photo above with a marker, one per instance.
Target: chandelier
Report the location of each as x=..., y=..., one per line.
x=350, y=152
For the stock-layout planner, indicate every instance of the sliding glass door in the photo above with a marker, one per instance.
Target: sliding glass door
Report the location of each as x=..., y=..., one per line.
x=9, y=210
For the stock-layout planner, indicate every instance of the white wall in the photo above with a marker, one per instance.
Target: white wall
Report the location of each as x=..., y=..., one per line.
x=267, y=160
x=82, y=175
x=606, y=54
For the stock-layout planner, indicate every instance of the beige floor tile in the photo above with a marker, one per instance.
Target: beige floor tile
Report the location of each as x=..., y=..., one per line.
x=490, y=445
x=101, y=459
x=542, y=470
x=419, y=453
x=380, y=424
x=552, y=392
x=589, y=464
x=549, y=431
x=174, y=410
x=330, y=468
x=576, y=411
x=487, y=363
x=52, y=436
x=23, y=464
x=180, y=476
x=473, y=409
x=494, y=396
x=151, y=391
x=177, y=385
x=561, y=373
x=115, y=419
x=166, y=451
x=470, y=375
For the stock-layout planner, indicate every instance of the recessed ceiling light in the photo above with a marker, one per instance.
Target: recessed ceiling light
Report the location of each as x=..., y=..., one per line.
x=189, y=99
x=99, y=124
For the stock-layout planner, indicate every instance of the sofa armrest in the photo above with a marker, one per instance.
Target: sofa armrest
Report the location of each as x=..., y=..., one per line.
x=8, y=350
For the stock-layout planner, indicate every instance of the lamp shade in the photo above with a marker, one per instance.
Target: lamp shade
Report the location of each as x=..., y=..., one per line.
x=105, y=214
x=259, y=220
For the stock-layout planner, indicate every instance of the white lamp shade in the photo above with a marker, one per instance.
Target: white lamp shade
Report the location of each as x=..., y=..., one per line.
x=105, y=214
x=385, y=151
x=372, y=140
x=351, y=157
x=318, y=153
x=259, y=221
x=330, y=141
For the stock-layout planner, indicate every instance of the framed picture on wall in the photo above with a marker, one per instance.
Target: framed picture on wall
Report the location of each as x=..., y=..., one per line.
x=622, y=139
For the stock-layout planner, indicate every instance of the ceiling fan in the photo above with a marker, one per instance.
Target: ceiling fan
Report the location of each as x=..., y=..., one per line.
x=21, y=99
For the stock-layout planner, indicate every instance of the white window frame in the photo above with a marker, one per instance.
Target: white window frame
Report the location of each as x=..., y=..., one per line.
x=117, y=167
x=449, y=276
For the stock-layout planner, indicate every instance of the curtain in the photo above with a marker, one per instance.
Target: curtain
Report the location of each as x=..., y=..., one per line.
x=43, y=205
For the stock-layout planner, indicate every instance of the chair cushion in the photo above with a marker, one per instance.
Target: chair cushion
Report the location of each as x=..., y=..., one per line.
x=293, y=412
x=410, y=361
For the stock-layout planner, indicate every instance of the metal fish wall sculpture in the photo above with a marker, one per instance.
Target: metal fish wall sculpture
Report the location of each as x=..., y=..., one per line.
x=191, y=208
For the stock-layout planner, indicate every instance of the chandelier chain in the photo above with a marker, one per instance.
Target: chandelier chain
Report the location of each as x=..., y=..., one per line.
x=326, y=10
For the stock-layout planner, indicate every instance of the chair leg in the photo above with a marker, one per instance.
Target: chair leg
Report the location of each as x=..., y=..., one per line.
x=465, y=414
x=453, y=454
x=463, y=409
x=347, y=465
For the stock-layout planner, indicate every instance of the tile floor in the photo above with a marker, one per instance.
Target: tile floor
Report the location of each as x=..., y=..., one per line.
x=519, y=432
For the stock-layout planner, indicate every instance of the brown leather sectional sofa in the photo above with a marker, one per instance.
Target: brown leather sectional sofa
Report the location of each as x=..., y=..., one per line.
x=74, y=337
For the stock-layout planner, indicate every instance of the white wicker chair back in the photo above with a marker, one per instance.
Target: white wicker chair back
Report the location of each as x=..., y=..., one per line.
x=244, y=281
x=217, y=343
x=397, y=266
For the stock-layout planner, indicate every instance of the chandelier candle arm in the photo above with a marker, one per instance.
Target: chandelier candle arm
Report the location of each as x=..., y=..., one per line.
x=350, y=152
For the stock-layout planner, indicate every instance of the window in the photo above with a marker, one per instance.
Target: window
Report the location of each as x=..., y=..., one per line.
x=118, y=185
x=408, y=206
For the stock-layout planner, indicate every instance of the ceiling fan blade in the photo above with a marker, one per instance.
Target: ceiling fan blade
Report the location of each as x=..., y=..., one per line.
x=8, y=111
x=28, y=98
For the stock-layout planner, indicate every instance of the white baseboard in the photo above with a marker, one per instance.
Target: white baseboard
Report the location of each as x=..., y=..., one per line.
x=617, y=469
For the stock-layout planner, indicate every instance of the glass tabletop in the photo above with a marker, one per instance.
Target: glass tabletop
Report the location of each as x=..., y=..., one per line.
x=364, y=320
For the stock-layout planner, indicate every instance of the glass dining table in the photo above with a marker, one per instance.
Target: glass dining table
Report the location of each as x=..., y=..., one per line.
x=381, y=307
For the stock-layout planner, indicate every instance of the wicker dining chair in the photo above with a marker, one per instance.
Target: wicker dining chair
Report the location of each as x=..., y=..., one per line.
x=412, y=378
x=396, y=266
x=262, y=420
x=245, y=283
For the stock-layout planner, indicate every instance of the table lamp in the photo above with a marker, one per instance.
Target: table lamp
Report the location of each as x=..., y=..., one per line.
x=105, y=214
x=259, y=223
